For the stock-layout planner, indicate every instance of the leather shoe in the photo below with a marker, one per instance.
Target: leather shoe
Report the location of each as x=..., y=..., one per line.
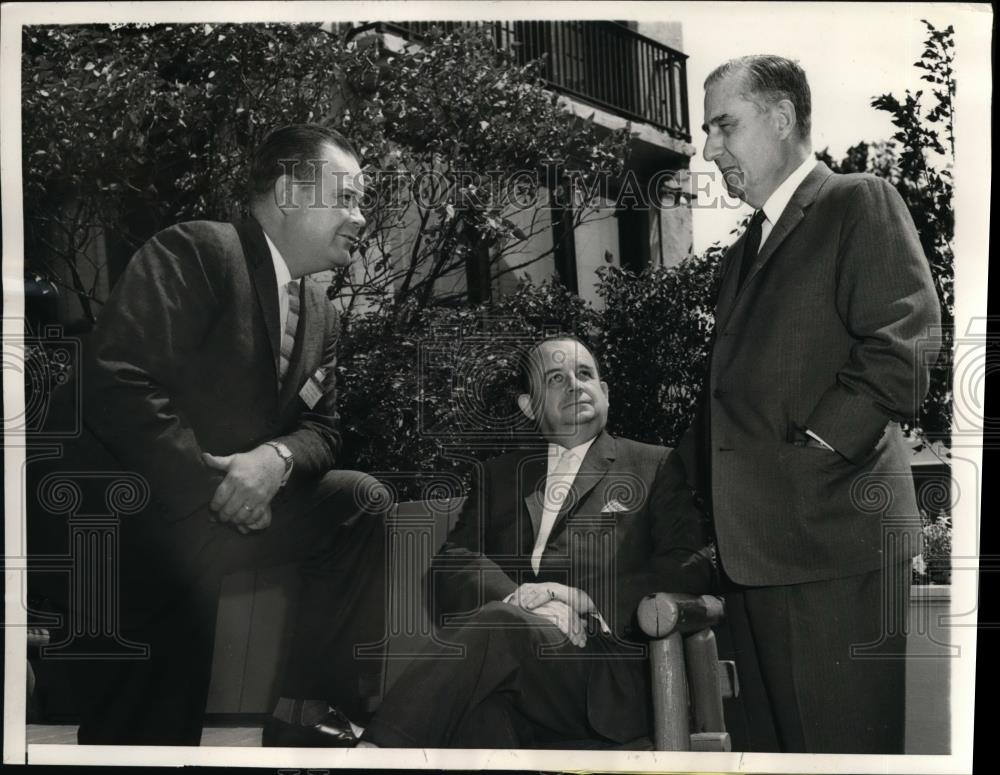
x=332, y=731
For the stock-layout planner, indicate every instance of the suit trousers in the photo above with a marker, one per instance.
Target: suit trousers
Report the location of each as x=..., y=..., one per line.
x=517, y=684
x=170, y=574
x=822, y=664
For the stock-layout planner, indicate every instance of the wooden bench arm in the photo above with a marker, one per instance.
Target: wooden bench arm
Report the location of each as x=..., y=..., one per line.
x=664, y=613
x=684, y=665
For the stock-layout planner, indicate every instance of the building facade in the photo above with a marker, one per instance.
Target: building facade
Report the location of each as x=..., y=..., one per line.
x=621, y=74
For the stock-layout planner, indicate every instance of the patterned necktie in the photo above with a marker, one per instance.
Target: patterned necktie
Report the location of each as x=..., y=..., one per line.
x=291, y=326
x=557, y=489
x=752, y=245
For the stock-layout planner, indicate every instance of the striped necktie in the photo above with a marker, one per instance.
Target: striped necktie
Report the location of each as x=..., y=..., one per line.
x=291, y=326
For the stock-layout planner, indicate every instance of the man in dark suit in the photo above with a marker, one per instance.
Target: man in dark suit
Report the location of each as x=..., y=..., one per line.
x=541, y=577
x=824, y=306
x=209, y=384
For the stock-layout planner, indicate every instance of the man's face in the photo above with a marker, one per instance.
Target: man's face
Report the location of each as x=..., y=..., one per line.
x=569, y=402
x=743, y=141
x=322, y=225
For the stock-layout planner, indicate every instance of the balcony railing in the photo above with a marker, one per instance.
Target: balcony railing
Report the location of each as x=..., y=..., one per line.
x=603, y=63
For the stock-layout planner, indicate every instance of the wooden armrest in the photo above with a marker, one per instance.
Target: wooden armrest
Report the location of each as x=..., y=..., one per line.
x=664, y=613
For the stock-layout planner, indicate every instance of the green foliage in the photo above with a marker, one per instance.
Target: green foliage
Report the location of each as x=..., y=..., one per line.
x=918, y=162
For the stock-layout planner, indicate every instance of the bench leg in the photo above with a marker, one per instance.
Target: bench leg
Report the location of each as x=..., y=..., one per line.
x=670, y=695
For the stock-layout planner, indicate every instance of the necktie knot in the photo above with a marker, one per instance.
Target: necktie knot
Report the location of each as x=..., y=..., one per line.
x=565, y=457
x=292, y=287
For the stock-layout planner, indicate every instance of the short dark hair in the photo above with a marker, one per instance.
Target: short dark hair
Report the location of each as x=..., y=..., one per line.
x=774, y=78
x=526, y=366
x=295, y=142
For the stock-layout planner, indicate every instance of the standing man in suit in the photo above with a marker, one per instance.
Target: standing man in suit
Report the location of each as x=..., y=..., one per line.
x=542, y=575
x=824, y=303
x=210, y=380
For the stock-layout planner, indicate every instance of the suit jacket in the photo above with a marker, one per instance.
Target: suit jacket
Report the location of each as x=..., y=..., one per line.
x=629, y=528
x=831, y=331
x=184, y=360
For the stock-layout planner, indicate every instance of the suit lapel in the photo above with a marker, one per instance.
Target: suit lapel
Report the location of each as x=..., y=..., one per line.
x=727, y=291
x=534, y=469
x=790, y=218
x=592, y=470
x=265, y=285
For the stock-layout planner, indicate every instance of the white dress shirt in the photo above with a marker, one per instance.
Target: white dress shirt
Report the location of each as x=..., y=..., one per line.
x=560, y=480
x=557, y=483
x=283, y=277
x=778, y=201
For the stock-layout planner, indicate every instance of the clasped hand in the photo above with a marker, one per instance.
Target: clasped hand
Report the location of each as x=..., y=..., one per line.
x=243, y=498
x=564, y=606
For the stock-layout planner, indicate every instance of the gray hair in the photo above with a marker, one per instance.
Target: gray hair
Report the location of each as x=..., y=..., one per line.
x=773, y=78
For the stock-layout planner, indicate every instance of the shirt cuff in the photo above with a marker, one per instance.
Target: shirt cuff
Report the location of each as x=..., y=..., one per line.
x=825, y=445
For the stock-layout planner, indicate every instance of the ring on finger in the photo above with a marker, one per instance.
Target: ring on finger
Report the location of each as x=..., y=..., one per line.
x=552, y=595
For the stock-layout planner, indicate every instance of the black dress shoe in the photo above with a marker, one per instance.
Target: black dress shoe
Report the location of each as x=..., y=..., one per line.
x=332, y=731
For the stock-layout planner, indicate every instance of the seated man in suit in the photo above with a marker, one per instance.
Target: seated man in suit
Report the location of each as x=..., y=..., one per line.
x=557, y=544
x=208, y=387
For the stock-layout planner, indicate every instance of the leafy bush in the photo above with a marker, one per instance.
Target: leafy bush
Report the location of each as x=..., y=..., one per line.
x=131, y=128
x=430, y=390
x=933, y=564
x=655, y=341
x=427, y=391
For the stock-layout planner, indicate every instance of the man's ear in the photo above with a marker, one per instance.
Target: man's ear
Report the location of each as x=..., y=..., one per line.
x=284, y=192
x=524, y=404
x=604, y=387
x=785, y=119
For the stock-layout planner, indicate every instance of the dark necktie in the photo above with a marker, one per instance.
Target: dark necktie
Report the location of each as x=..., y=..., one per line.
x=751, y=246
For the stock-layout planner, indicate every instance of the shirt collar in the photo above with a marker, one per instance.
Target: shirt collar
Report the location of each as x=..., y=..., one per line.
x=580, y=450
x=281, y=273
x=778, y=201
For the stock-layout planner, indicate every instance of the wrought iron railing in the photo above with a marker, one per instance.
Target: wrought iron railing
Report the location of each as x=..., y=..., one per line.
x=602, y=63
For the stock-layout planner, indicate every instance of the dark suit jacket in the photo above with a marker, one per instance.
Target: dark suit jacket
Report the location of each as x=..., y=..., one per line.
x=629, y=528
x=184, y=360
x=831, y=332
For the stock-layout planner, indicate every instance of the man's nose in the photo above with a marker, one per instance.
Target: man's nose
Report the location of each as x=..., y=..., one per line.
x=713, y=147
x=357, y=217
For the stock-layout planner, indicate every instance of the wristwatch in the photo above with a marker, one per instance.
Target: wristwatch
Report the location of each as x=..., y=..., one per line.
x=286, y=456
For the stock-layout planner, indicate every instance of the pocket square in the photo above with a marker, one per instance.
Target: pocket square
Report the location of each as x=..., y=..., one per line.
x=612, y=506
